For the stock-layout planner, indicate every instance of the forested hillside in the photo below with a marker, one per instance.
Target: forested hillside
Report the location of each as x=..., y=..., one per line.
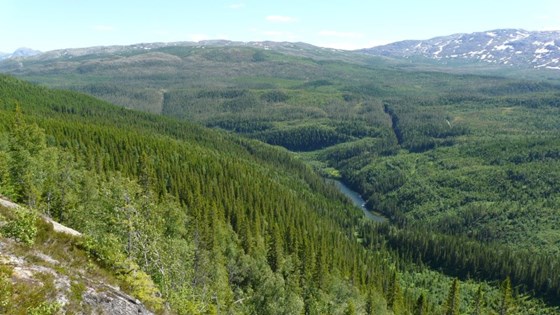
x=206, y=222
x=218, y=223
x=470, y=155
x=465, y=167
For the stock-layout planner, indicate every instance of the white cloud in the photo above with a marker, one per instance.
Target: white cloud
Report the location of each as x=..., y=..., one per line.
x=236, y=6
x=103, y=28
x=280, y=19
x=341, y=34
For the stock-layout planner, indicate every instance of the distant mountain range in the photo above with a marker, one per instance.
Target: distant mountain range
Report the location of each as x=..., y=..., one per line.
x=20, y=52
x=70, y=53
x=514, y=47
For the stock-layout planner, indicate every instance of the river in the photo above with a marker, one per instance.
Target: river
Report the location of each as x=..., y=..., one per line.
x=358, y=201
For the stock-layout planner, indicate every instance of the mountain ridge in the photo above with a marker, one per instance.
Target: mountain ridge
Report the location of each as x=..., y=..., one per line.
x=113, y=49
x=512, y=47
x=22, y=52
x=501, y=47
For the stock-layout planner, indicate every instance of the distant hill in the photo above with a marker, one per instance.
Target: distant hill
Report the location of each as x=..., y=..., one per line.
x=20, y=52
x=139, y=76
x=511, y=47
x=515, y=47
x=302, y=49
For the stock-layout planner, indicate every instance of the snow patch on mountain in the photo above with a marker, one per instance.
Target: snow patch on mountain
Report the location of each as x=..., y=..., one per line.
x=513, y=47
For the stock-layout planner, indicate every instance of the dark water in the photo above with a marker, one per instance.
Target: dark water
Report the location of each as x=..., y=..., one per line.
x=358, y=201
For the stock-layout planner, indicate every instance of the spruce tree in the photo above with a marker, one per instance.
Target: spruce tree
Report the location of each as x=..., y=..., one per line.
x=478, y=302
x=421, y=305
x=370, y=303
x=350, y=309
x=395, y=300
x=26, y=145
x=274, y=253
x=452, y=303
x=506, y=303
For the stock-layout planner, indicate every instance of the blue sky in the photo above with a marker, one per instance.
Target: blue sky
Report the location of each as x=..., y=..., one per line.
x=345, y=24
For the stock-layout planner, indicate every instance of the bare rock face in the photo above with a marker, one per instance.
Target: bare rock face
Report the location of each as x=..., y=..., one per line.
x=97, y=298
x=112, y=302
x=7, y=204
x=59, y=228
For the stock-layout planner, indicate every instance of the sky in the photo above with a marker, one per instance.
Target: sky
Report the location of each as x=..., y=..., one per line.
x=344, y=24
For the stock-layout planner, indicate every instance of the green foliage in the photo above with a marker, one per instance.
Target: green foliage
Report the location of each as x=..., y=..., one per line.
x=246, y=229
x=452, y=302
x=23, y=227
x=196, y=227
x=506, y=303
x=107, y=252
x=350, y=309
x=77, y=290
x=25, y=147
x=45, y=308
x=374, y=305
x=466, y=258
x=6, y=287
x=303, y=138
x=140, y=285
x=25, y=297
x=6, y=186
x=478, y=302
x=275, y=96
x=421, y=305
x=395, y=300
x=259, y=56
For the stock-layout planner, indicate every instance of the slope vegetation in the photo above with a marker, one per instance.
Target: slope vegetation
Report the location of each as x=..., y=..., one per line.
x=352, y=118
x=219, y=223
x=408, y=141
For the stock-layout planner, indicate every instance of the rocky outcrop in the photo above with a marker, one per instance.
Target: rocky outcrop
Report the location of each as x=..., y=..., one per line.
x=37, y=266
x=112, y=302
x=57, y=227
